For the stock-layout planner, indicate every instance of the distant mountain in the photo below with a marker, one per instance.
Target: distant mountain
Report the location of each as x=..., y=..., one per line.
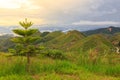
x=50, y=28
x=109, y=31
x=5, y=42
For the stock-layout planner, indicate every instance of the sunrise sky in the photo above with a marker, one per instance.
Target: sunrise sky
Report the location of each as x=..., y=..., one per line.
x=74, y=12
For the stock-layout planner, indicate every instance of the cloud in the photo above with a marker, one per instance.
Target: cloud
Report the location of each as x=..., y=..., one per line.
x=17, y=4
x=66, y=11
x=58, y=11
x=97, y=23
x=11, y=4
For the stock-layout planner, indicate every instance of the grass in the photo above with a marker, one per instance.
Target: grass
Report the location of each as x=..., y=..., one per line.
x=16, y=77
x=102, y=65
x=42, y=68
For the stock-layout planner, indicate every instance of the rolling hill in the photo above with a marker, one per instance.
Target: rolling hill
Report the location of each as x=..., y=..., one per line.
x=47, y=36
x=66, y=40
x=94, y=42
x=73, y=40
x=51, y=36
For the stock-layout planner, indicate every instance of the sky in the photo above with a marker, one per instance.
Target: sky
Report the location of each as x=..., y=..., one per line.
x=65, y=12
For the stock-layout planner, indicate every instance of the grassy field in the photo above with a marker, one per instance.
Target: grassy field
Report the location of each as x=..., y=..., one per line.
x=44, y=68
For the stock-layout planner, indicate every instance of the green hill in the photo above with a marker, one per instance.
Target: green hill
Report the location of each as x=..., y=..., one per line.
x=5, y=43
x=65, y=40
x=94, y=42
x=51, y=36
x=47, y=36
x=44, y=34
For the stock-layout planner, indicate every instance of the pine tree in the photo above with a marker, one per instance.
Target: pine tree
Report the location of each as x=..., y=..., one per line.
x=26, y=39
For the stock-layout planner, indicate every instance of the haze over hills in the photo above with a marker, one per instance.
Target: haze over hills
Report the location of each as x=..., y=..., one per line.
x=50, y=28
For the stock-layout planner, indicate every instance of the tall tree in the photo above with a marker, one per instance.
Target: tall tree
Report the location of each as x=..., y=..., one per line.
x=26, y=39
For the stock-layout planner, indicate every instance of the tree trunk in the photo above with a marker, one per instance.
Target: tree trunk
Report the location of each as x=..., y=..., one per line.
x=28, y=63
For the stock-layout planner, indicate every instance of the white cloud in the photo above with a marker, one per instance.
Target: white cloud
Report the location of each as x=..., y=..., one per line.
x=11, y=4
x=16, y=4
x=97, y=23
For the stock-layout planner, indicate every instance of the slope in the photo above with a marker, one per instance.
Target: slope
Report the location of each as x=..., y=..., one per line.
x=115, y=39
x=95, y=42
x=51, y=36
x=66, y=40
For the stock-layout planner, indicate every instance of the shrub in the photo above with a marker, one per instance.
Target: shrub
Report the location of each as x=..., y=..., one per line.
x=55, y=54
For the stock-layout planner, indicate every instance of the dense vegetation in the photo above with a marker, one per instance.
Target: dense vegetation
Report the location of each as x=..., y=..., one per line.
x=63, y=56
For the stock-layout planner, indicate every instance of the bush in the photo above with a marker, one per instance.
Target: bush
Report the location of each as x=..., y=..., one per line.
x=55, y=54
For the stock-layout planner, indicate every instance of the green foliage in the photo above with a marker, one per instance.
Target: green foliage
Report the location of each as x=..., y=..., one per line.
x=48, y=69
x=25, y=32
x=51, y=36
x=44, y=34
x=55, y=54
x=25, y=38
x=96, y=43
x=65, y=41
x=25, y=24
x=103, y=65
x=83, y=61
x=16, y=77
x=18, y=50
x=51, y=53
x=6, y=43
x=18, y=40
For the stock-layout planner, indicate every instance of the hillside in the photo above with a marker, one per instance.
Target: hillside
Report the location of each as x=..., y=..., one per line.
x=109, y=31
x=95, y=42
x=116, y=36
x=66, y=40
x=115, y=39
x=51, y=36
x=47, y=36
x=5, y=42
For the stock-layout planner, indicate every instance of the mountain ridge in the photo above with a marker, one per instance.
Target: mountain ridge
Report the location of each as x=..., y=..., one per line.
x=108, y=30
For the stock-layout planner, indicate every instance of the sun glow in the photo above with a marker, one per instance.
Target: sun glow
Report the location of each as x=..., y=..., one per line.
x=14, y=10
x=15, y=4
x=10, y=4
